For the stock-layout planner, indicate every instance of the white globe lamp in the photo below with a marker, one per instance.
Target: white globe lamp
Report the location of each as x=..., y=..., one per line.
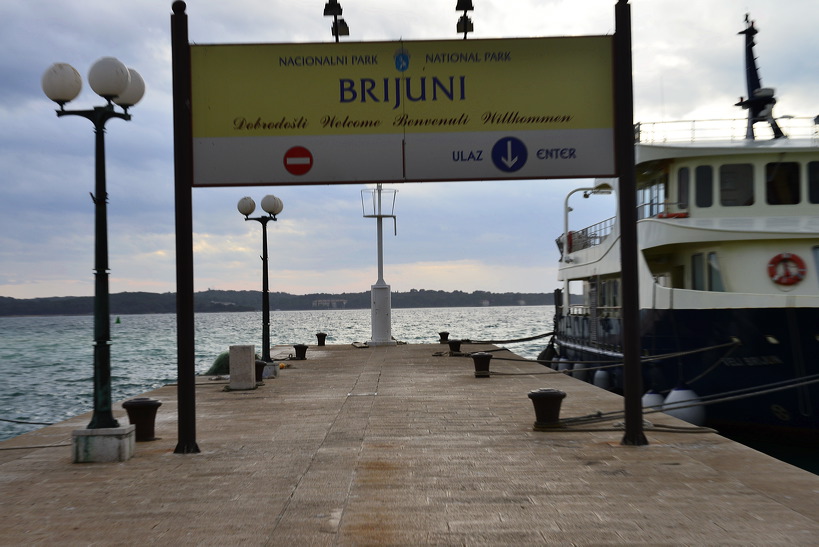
x=61, y=83
x=109, y=77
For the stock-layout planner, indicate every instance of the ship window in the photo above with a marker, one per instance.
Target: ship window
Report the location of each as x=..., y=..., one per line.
x=697, y=272
x=682, y=187
x=614, y=293
x=813, y=181
x=714, y=275
x=650, y=199
x=704, y=186
x=736, y=184
x=782, y=183
x=608, y=294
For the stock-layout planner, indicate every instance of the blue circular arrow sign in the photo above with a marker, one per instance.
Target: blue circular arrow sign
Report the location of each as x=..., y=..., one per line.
x=509, y=154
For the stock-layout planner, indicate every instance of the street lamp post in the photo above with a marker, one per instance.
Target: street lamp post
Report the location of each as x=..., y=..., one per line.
x=115, y=83
x=272, y=206
x=464, y=23
x=340, y=27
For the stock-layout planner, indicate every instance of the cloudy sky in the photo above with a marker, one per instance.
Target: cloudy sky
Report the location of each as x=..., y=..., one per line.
x=496, y=236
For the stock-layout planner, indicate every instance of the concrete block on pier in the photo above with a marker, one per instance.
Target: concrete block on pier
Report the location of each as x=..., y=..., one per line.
x=242, y=367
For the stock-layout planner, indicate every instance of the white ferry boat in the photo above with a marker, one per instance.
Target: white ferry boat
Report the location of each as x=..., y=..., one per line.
x=728, y=239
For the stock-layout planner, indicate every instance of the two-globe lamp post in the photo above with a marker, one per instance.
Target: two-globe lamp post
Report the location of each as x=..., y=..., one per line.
x=272, y=206
x=117, y=84
x=464, y=23
x=340, y=28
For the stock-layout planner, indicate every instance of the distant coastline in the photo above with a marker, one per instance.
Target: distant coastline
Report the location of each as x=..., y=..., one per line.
x=241, y=301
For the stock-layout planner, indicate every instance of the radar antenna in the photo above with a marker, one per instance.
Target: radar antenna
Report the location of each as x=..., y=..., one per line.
x=760, y=101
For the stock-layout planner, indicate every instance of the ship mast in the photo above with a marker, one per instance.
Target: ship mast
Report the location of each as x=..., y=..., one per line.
x=760, y=101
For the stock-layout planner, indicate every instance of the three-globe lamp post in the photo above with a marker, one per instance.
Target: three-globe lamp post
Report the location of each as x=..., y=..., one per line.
x=117, y=84
x=272, y=206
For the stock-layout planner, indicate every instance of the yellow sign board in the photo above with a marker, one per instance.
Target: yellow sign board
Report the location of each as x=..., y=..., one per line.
x=405, y=110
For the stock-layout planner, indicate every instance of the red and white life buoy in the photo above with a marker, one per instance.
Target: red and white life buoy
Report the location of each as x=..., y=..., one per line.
x=786, y=269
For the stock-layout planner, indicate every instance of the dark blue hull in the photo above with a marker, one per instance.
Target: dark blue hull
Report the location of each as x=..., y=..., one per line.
x=724, y=350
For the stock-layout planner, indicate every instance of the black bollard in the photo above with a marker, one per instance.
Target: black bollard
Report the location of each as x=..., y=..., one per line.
x=260, y=366
x=322, y=336
x=301, y=352
x=444, y=336
x=481, y=360
x=142, y=414
x=454, y=346
x=547, y=408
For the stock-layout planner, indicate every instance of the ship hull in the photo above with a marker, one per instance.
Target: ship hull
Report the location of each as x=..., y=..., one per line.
x=718, y=351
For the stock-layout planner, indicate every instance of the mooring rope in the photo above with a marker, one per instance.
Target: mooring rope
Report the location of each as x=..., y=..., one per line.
x=713, y=367
x=608, y=364
x=620, y=426
x=735, y=395
x=516, y=340
x=32, y=447
x=27, y=423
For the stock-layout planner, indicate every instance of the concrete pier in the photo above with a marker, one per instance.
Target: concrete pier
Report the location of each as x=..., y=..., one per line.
x=402, y=445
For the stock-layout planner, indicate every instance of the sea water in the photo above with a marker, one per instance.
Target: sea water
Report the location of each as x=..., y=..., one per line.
x=46, y=362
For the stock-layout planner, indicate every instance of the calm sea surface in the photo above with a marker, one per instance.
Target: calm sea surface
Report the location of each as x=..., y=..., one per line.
x=47, y=362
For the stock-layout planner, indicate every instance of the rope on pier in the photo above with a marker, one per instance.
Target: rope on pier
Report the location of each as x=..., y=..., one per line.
x=620, y=426
x=619, y=363
x=34, y=446
x=528, y=339
x=27, y=423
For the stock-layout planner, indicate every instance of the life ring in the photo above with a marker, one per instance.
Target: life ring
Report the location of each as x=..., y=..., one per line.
x=786, y=269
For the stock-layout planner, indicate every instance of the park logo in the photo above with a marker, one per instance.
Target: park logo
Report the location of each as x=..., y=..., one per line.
x=402, y=60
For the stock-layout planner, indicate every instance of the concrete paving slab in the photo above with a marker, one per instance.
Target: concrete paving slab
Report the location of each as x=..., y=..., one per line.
x=400, y=445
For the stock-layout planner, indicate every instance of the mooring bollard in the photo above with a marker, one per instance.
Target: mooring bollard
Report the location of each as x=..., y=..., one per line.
x=454, y=346
x=481, y=360
x=142, y=414
x=444, y=336
x=301, y=351
x=260, y=366
x=322, y=336
x=547, y=407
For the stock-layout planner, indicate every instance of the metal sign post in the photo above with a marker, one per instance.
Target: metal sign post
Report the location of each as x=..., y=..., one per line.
x=627, y=195
x=183, y=174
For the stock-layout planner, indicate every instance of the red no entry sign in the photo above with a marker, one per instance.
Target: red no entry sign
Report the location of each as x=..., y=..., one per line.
x=298, y=160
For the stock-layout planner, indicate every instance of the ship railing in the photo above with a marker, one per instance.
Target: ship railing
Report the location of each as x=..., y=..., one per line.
x=587, y=237
x=595, y=234
x=722, y=130
x=650, y=209
x=663, y=209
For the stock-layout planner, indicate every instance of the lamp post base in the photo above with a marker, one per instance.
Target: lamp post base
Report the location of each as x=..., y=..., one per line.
x=107, y=444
